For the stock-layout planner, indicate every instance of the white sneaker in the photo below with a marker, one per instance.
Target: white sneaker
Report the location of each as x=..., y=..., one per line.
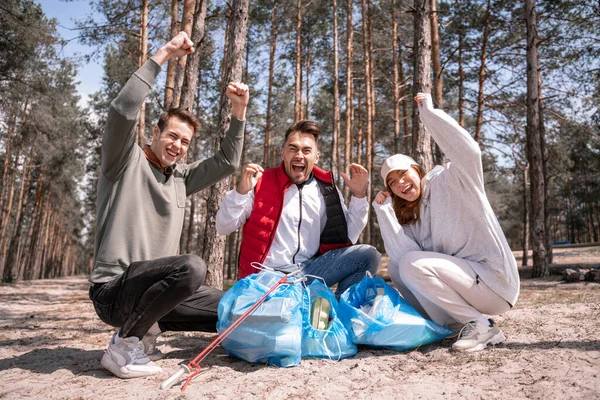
x=125, y=359
x=148, y=346
x=475, y=336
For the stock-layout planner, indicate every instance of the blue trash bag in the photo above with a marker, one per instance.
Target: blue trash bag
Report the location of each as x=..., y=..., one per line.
x=376, y=315
x=273, y=332
x=325, y=337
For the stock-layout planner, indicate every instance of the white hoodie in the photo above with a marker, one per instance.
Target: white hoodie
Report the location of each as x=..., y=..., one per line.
x=456, y=217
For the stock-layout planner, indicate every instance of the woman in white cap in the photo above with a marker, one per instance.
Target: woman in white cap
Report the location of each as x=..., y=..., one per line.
x=448, y=255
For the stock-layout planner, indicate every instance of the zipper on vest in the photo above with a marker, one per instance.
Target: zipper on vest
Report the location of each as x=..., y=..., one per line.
x=299, y=224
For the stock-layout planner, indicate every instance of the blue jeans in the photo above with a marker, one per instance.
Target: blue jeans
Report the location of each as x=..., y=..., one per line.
x=345, y=266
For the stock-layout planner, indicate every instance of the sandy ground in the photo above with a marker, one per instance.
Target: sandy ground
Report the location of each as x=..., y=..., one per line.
x=51, y=343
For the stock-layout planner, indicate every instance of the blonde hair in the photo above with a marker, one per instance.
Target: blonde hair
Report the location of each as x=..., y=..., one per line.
x=407, y=212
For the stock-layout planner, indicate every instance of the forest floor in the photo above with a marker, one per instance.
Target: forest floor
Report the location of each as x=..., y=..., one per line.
x=51, y=343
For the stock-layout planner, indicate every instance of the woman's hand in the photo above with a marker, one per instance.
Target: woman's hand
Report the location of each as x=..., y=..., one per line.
x=381, y=196
x=424, y=100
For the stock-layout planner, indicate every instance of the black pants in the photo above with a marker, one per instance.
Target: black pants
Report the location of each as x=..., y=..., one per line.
x=166, y=290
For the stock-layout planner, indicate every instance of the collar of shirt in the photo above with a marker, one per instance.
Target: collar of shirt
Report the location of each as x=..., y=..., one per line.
x=151, y=157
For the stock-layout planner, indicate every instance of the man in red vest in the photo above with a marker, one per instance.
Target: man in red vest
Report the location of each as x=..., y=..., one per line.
x=294, y=216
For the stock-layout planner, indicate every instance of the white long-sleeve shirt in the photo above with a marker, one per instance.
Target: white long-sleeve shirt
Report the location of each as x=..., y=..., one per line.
x=303, y=219
x=456, y=217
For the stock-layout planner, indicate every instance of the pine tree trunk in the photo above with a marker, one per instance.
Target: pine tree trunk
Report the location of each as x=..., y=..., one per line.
x=187, y=20
x=335, y=139
x=11, y=270
x=396, y=79
x=26, y=265
x=349, y=90
x=534, y=149
x=272, y=52
x=544, y=165
x=188, y=90
x=171, y=66
x=461, y=76
x=369, y=103
x=306, y=112
x=404, y=101
x=436, y=62
x=422, y=81
x=214, y=244
x=525, y=258
x=481, y=75
x=141, y=127
x=298, y=74
x=5, y=231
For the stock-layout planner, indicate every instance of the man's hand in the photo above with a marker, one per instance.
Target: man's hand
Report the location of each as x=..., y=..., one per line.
x=250, y=175
x=359, y=181
x=179, y=46
x=381, y=196
x=239, y=95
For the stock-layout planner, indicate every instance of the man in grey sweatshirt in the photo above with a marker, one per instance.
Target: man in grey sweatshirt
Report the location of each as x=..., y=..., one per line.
x=139, y=283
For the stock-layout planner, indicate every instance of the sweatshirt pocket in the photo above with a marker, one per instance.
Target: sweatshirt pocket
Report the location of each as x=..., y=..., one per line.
x=180, y=192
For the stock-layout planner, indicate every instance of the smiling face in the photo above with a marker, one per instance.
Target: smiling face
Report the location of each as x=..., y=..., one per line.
x=405, y=184
x=172, y=143
x=299, y=155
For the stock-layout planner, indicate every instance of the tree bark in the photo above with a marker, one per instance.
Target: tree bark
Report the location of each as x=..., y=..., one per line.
x=187, y=20
x=422, y=81
x=404, y=101
x=349, y=90
x=481, y=74
x=11, y=270
x=335, y=155
x=369, y=103
x=272, y=52
x=534, y=149
x=298, y=74
x=141, y=126
x=214, y=244
x=5, y=232
x=188, y=90
x=306, y=112
x=396, y=79
x=525, y=259
x=171, y=66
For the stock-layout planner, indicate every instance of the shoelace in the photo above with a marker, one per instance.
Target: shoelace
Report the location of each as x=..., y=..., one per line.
x=135, y=352
x=467, y=329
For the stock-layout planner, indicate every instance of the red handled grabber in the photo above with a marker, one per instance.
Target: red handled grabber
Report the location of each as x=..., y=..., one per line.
x=193, y=367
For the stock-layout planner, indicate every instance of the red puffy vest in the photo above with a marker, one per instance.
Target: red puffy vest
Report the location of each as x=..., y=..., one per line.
x=259, y=230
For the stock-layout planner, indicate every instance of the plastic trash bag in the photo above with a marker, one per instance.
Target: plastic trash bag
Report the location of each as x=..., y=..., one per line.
x=323, y=332
x=273, y=332
x=376, y=315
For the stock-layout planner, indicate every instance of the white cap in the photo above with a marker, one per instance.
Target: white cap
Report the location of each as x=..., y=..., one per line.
x=397, y=162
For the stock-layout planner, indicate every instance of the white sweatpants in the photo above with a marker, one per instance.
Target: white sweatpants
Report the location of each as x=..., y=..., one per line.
x=443, y=288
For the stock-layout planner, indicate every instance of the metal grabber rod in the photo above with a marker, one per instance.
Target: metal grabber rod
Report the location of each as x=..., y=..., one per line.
x=193, y=367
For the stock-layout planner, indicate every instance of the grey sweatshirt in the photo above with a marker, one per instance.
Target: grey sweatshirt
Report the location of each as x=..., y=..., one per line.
x=456, y=217
x=139, y=209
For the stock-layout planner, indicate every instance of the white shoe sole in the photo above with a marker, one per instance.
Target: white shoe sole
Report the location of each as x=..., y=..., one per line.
x=494, y=340
x=124, y=373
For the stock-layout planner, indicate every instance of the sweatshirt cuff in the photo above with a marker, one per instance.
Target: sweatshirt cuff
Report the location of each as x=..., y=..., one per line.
x=236, y=197
x=148, y=72
x=237, y=127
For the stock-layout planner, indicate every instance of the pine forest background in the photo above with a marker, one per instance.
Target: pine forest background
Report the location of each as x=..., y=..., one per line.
x=523, y=77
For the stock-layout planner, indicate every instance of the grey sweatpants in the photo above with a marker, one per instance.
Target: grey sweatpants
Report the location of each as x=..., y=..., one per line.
x=443, y=288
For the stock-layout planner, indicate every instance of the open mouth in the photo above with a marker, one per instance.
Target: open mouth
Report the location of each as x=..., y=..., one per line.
x=298, y=168
x=407, y=189
x=172, y=154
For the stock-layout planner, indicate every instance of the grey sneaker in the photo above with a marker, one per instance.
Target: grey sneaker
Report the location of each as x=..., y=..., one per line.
x=125, y=359
x=148, y=346
x=475, y=336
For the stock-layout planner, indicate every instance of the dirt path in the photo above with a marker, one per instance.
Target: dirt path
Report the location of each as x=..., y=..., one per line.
x=52, y=342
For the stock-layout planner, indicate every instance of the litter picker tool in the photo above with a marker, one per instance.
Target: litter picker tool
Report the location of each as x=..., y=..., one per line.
x=193, y=367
